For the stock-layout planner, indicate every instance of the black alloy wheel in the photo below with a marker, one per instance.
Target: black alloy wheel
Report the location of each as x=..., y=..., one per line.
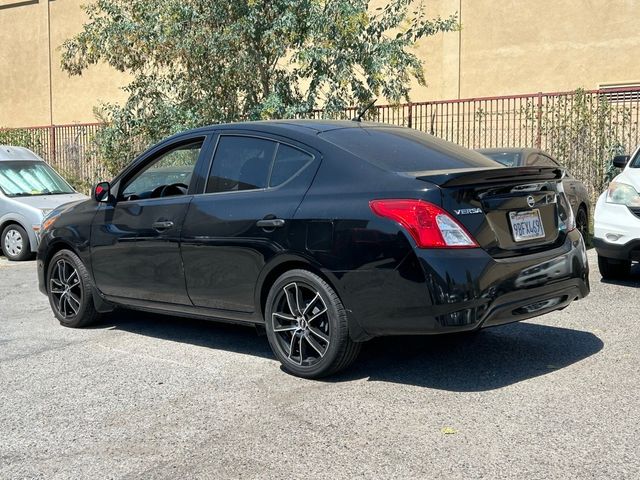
x=70, y=290
x=307, y=326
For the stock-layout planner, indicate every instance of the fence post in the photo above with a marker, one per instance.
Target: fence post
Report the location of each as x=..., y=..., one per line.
x=410, y=116
x=52, y=146
x=539, y=120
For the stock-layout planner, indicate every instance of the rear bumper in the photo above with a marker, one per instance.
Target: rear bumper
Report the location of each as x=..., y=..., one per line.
x=443, y=291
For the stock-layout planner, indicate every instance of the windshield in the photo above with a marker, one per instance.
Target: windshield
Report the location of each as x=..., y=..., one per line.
x=24, y=178
x=635, y=161
x=508, y=159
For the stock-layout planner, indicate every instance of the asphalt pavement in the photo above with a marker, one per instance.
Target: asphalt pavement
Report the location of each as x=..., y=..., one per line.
x=148, y=396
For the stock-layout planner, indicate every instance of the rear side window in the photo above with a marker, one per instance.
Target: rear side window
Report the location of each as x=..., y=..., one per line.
x=405, y=150
x=289, y=161
x=241, y=163
x=541, y=161
x=508, y=159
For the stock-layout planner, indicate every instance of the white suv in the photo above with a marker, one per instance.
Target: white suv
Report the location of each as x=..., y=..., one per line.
x=617, y=220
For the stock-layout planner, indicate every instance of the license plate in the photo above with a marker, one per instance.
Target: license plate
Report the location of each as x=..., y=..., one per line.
x=526, y=225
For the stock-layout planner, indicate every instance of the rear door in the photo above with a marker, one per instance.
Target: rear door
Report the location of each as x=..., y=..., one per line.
x=243, y=219
x=135, y=239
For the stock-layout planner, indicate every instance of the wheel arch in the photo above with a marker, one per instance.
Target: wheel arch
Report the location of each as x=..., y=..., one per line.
x=20, y=222
x=55, y=248
x=10, y=221
x=100, y=304
x=291, y=262
x=7, y=221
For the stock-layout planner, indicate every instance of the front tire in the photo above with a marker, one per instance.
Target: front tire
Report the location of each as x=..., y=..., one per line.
x=612, y=269
x=307, y=326
x=70, y=290
x=15, y=243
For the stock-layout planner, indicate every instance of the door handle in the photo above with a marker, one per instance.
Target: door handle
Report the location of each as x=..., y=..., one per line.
x=161, y=226
x=270, y=223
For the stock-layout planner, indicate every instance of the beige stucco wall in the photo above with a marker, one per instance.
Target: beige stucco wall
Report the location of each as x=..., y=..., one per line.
x=505, y=47
x=548, y=45
x=24, y=65
x=31, y=94
x=74, y=97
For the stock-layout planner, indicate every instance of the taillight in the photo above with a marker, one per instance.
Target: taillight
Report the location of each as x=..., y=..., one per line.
x=429, y=225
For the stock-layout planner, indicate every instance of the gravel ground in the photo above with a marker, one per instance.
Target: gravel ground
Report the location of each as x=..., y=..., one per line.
x=146, y=396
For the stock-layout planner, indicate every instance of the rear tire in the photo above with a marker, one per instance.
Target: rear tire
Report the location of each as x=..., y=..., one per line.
x=582, y=223
x=307, y=326
x=15, y=243
x=613, y=269
x=70, y=290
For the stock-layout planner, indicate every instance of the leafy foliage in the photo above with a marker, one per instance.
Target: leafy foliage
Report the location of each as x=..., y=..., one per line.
x=196, y=62
x=21, y=138
x=584, y=132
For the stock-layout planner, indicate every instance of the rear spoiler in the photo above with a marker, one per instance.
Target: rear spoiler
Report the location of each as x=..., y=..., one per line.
x=490, y=176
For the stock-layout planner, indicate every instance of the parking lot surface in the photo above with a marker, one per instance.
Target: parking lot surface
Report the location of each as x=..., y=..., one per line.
x=147, y=396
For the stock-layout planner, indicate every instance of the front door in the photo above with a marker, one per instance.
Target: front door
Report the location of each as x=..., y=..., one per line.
x=135, y=239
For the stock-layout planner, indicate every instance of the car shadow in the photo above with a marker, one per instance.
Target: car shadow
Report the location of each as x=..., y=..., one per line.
x=633, y=280
x=215, y=335
x=491, y=359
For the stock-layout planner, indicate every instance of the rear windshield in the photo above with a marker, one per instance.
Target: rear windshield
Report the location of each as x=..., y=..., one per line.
x=508, y=159
x=26, y=178
x=405, y=150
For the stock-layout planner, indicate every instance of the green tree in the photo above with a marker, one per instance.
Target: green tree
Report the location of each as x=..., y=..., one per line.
x=195, y=62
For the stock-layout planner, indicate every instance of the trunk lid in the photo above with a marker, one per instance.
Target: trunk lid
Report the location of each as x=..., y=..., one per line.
x=508, y=211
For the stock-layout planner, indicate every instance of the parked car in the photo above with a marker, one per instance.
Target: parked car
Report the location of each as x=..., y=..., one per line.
x=573, y=188
x=617, y=220
x=29, y=190
x=325, y=233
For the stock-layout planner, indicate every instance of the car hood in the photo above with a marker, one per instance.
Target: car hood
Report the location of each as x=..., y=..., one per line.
x=49, y=202
x=630, y=176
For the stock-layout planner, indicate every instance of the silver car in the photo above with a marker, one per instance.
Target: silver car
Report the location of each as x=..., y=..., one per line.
x=29, y=190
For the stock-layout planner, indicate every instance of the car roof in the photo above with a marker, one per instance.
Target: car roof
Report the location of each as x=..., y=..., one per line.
x=11, y=153
x=307, y=126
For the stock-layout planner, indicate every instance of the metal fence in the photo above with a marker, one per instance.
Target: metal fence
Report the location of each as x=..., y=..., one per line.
x=582, y=129
x=70, y=149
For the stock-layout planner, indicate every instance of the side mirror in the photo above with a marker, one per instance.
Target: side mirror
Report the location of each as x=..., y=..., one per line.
x=620, y=161
x=102, y=192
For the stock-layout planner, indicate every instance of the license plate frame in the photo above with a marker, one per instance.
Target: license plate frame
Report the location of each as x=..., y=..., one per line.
x=526, y=225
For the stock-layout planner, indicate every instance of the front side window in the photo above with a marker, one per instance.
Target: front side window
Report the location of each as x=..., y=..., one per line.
x=26, y=178
x=241, y=163
x=635, y=161
x=168, y=175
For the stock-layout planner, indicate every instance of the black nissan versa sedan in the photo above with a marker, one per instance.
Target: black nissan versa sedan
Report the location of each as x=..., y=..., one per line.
x=327, y=233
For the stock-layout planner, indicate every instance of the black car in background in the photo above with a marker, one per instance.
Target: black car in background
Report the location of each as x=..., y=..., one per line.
x=327, y=233
x=574, y=189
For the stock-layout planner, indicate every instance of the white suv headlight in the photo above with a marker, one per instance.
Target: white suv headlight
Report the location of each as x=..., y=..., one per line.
x=623, y=194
